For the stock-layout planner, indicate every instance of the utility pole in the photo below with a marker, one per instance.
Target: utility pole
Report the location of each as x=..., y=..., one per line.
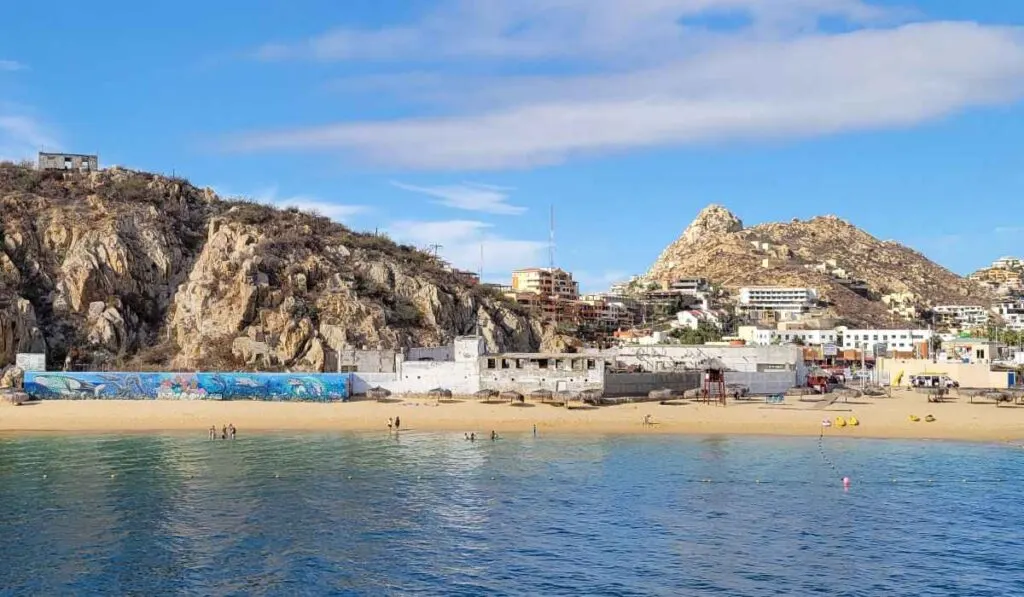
x=435, y=248
x=551, y=239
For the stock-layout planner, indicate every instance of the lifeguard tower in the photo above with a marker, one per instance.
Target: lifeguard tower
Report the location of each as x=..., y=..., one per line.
x=714, y=382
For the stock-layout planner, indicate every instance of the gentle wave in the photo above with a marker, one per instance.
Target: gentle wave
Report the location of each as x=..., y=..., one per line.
x=430, y=514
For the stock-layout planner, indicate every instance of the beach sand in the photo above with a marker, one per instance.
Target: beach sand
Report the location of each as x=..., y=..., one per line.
x=879, y=417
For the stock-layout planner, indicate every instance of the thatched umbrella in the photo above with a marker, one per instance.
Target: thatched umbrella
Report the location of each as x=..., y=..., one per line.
x=592, y=396
x=486, y=394
x=873, y=389
x=378, y=393
x=541, y=394
x=439, y=393
x=662, y=394
x=511, y=396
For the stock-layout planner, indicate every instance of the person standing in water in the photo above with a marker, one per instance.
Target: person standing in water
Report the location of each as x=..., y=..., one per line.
x=213, y=432
x=224, y=432
x=391, y=423
x=231, y=430
x=398, y=423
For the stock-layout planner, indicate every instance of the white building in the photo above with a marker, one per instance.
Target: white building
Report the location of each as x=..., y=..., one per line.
x=1012, y=313
x=546, y=281
x=962, y=316
x=783, y=303
x=895, y=340
x=756, y=336
x=692, y=318
x=1014, y=263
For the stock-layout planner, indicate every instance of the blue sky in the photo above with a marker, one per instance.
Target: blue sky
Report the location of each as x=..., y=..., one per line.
x=460, y=122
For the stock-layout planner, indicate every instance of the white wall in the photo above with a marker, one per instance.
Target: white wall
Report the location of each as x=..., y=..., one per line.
x=435, y=353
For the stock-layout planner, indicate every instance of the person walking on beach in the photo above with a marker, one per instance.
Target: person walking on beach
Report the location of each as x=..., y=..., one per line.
x=398, y=423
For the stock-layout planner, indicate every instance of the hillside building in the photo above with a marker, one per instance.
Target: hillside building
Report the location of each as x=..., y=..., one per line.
x=546, y=281
x=71, y=162
x=776, y=303
x=894, y=341
x=961, y=316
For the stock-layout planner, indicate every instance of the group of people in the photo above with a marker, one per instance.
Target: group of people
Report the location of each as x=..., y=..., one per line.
x=227, y=432
x=472, y=436
x=394, y=423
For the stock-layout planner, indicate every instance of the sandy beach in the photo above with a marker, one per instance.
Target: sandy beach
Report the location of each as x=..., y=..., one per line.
x=879, y=417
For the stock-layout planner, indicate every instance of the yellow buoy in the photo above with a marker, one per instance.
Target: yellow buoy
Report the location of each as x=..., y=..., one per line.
x=915, y=418
x=854, y=422
x=840, y=422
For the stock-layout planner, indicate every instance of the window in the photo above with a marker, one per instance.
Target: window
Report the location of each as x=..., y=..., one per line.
x=542, y=363
x=591, y=364
x=491, y=363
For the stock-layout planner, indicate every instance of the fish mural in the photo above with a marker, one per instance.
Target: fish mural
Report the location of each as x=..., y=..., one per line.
x=325, y=387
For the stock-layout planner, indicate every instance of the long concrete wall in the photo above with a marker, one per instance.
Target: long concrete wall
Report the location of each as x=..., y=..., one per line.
x=764, y=382
x=319, y=387
x=640, y=384
x=736, y=358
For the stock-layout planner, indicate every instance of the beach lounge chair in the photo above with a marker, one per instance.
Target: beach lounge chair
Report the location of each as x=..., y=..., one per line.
x=929, y=419
x=775, y=398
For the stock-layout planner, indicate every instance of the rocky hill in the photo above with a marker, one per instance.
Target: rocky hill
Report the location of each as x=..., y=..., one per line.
x=861, y=279
x=138, y=270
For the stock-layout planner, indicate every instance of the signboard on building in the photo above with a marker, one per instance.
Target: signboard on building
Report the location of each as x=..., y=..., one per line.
x=30, y=361
x=881, y=349
x=830, y=350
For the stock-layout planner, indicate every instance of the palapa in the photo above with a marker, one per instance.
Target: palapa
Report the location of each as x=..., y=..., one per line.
x=511, y=396
x=378, y=393
x=542, y=394
x=439, y=393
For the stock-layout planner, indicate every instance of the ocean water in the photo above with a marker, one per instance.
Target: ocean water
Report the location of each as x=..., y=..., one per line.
x=433, y=514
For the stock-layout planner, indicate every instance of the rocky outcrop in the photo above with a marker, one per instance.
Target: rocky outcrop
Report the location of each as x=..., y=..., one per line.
x=146, y=271
x=851, y=269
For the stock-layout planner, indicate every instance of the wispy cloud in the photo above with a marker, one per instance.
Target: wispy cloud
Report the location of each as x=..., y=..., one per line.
x=599, y=281
x=461, y=243
x=11, y=65
x=648, y=73
x=469, y=196
x=1009, y=229
x=21, y=135
x=339, y=212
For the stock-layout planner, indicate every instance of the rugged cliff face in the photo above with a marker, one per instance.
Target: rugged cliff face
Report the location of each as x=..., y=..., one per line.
x=141, y=270
x=862, y=279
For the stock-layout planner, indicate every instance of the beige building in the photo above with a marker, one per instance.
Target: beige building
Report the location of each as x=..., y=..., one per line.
x=546, y=281
x=968, y=375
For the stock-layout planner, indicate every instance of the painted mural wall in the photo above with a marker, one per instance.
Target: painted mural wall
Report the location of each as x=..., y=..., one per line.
x=59, y=385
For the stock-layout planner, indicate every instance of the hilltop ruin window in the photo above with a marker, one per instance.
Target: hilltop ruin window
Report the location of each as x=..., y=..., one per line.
x=591, y=364
x=504, y=363
x=491, y=364
x=542, y=363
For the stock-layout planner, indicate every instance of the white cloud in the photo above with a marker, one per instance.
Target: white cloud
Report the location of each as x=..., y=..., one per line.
x=21, y=135
x=338, y=212
x=555, y=29
x=469, y=196
x=11, y=65
x=461, y=242
x=599, y=281
x=645, y=76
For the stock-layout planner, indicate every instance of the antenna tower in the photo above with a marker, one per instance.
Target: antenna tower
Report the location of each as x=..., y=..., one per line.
x=551, y=239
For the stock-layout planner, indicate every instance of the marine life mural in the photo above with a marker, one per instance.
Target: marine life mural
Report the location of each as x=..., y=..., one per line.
x=60, y=385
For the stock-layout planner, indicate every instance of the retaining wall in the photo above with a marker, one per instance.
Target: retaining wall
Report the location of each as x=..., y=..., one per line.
x=315, y=387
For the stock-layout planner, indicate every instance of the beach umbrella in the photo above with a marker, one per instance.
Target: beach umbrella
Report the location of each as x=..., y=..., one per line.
x=378, y=393
x=592, y=396
x=541, y=394
x=511, y=396
x=486, y=394
x=439, y=393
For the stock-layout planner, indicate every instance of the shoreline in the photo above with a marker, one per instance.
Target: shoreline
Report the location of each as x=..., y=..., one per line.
x=880, y=418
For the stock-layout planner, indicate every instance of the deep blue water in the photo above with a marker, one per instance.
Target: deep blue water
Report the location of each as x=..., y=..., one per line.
x=432, y=514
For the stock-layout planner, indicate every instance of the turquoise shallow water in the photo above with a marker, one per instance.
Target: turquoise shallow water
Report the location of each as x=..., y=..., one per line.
x=432, y=514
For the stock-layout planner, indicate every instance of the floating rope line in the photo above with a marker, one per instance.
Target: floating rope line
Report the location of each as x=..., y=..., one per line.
x=824, y=456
